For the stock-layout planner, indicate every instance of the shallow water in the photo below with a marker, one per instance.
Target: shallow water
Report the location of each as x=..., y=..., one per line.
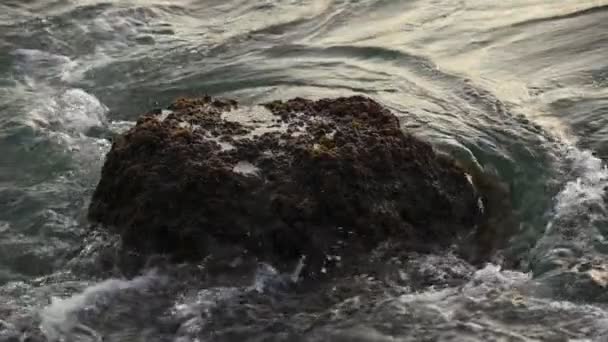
x=519, y=87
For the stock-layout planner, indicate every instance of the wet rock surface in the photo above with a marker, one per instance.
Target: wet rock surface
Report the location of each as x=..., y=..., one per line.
x=327, y=179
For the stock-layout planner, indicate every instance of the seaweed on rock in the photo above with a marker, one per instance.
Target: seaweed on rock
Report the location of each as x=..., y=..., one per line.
x=329, y=177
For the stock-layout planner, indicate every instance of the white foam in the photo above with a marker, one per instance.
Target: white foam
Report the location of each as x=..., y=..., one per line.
x=119, y=126
x=52, y=107
x=195, y=311
x=41, y=64
x=264, y=275
x=588, y=188
x=59, y=320
x=72, y=111
x=4, y=226
x=163, y=114
x=577, y=208
x=33, y=56
x=492, y=278
x=224, y=146
x=81, y=110
x=246, y=168
x=267, y=277
x=249, y=115
x=295, y=275
x=258, y=118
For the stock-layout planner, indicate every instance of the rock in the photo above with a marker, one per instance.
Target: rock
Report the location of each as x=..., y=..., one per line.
x=208, y=178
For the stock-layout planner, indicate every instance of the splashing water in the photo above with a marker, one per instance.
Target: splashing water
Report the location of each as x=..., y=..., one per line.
x=502, y=84
x=580, y=211
x=60, y=320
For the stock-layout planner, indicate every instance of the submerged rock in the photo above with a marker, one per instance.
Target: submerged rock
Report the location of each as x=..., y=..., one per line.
x=333, y=177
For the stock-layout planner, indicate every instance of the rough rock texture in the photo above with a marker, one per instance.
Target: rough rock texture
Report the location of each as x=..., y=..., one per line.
x=325, y=178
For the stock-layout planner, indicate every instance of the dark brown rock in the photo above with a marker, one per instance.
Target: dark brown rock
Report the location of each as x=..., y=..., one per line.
x=278, y=181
